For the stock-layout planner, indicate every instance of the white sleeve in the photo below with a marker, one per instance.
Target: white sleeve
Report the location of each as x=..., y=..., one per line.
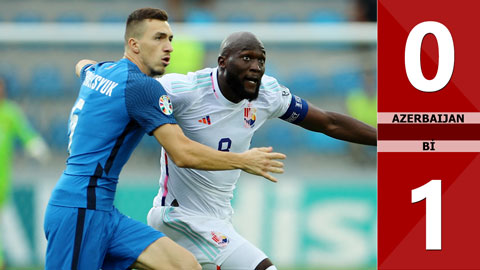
x=278, y=96
x=180, y=100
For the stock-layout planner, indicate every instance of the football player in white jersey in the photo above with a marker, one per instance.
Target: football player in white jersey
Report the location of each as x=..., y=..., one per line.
x=222, y=107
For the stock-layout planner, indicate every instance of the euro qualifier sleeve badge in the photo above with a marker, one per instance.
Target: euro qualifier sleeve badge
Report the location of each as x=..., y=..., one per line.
x=165, y=105
x=428, y=135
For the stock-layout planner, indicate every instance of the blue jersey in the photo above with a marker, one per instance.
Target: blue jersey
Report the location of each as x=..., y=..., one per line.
x=116, y=106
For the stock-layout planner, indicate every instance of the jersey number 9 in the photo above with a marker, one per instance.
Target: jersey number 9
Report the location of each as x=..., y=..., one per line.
x=224, y=144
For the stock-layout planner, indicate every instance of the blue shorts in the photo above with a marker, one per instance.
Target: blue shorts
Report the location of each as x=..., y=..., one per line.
x=85, y=239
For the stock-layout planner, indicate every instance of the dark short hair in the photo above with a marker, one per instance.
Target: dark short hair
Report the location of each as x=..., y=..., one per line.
x=138, y=16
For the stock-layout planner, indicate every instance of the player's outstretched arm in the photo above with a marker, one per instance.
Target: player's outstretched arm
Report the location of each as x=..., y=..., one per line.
x=339, y=126
x=186, y=153
x=81, y=64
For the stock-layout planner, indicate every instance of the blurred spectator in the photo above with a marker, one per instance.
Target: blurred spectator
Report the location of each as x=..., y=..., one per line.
x=13, y=125
x=365, y=10
x=175, y=10
x=361, y=103
x=193, y=11
x=188, y=55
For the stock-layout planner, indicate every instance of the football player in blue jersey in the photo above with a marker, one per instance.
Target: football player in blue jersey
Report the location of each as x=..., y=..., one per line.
x=117, y=104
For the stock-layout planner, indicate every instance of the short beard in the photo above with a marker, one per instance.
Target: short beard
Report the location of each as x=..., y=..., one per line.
x=154, y=73
x=237, y=86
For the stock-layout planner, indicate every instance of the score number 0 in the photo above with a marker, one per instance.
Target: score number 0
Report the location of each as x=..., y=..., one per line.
x=431, y=191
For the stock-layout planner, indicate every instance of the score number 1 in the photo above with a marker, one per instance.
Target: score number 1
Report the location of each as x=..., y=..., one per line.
x=431, y=191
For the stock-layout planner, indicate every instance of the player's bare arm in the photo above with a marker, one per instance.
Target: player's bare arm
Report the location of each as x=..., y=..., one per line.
x=82, y=63
x=339, y=126
x=186, y=153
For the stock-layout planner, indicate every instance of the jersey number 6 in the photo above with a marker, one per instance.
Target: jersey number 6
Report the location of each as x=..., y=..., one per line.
x=73, y=120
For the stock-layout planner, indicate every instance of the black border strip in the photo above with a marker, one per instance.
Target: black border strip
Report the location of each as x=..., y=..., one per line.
x=78, y=237
x=92, y=184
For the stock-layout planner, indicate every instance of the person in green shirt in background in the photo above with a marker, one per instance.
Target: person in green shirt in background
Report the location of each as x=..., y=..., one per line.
x=361, y=103
x=189, y=55
x=14, y=125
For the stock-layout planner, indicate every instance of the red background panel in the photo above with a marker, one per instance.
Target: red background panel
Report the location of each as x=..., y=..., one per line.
x=401, y=224
x=395, y=21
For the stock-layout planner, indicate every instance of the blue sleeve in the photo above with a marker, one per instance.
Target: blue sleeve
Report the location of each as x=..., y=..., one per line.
x=147, y=103
x=297, y=110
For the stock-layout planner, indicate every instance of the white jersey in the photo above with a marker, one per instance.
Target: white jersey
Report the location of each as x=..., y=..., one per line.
x=207, y=117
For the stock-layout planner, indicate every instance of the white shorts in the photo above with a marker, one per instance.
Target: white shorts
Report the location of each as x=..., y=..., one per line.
x=211, y=240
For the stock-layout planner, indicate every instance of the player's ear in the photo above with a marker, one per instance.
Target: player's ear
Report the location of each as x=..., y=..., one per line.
x=221, y=61
x=133, y=44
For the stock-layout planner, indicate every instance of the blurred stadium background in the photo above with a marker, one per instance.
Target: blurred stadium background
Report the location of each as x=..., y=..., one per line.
x=321, y=214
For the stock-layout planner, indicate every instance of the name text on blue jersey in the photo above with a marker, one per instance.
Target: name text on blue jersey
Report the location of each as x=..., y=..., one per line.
x=99, y=84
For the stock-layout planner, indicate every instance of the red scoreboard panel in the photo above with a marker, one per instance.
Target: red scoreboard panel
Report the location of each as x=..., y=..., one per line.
x=428, y=134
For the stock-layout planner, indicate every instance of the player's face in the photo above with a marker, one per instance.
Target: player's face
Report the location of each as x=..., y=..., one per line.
x=156, y=46
x=245, y=69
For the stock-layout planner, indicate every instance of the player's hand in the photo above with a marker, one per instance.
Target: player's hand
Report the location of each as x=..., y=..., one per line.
x=81, y=64
x=262, y=161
